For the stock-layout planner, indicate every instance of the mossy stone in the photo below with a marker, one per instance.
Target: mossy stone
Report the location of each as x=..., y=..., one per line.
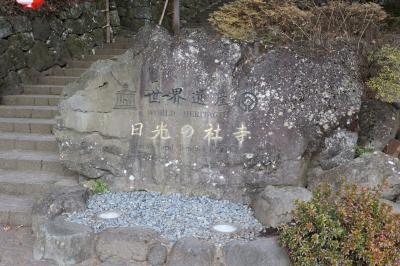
x=39, y=57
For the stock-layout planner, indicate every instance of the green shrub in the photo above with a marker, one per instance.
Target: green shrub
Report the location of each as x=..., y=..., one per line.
x=251, y=20
x=348, y=227
x=97, y=186
x=386, y=82
x=361, y=150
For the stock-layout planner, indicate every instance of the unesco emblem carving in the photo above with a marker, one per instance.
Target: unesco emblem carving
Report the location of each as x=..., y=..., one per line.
x=125, y=99
x=248, y=101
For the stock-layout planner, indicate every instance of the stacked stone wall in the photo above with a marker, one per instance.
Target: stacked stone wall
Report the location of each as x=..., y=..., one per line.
x=134, y=14
x=34, y=41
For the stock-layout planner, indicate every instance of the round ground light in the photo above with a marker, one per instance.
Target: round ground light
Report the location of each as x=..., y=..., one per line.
x=109, y=215
x=225, y=228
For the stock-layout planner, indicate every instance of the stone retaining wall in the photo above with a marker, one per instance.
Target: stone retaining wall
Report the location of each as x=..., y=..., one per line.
x=65, y=243
x=134, y=14
x=32, y=42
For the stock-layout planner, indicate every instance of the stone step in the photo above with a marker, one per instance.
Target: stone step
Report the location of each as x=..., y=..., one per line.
x=117, y=45
x=28, y=111
x=34, y=142
x=56, y=80
x=124, y=38
x=79, y=64
x=31, y=99
x=109, y=51
x=27, y=125
x=31, y=161
x=30, y=183
x=72, y=72
x=42, y=89
x=16, y=210
x=97, y=57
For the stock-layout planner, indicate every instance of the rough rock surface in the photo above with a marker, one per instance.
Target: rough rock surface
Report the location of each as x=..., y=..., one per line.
x=64, y=242
x=129, y=244
x=5, y=28
x=260, y=252
x=191, y=251
x=189, y=114
x=379, y=123
x=157, y=255
x=395, y=205
x=39, y=41
x=272, y=207
x=50, y=206
x=338, y=149
x=369, y=170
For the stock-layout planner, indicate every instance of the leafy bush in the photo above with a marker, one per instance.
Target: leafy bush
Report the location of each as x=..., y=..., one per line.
x=97, y=186
x=386, y=82
x=251, y=20
x=360, y=150
x=348, y=227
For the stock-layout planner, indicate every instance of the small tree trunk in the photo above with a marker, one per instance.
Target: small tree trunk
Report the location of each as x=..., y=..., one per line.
x=163, y=13
x=176, y=25
x=108, y=21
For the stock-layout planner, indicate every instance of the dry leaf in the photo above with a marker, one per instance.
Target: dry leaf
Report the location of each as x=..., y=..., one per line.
x=7, y=227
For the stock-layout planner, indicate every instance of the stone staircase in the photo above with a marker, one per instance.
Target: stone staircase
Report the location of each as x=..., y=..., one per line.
x=29, y=158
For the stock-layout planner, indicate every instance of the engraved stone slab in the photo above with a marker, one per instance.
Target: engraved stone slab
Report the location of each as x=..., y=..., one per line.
x=199, y=115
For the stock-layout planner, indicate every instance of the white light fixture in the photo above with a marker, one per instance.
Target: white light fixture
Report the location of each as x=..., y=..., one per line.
x=33, y=4
x=109, y=215
x=25, y=2
x=225, y=228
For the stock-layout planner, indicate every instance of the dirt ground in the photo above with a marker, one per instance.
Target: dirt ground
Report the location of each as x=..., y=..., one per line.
x=16, y=248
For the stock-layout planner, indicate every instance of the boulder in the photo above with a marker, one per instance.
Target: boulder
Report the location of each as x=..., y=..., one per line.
x=39, y=57
x=5, y=28
x=157, y=255
x=17, y=57
x=338, y=149
x=11, y=82
x=56, y=25
x=191, y=251
x=394, y=205
x=73, y=12
x=78, y=45
x=98, y=36
x=189, y=114
x=6, y=64
x=379, y=123
x=119, y=262
x=75, y=26
x=56, y=202
x=22, y=41
x=261, y=252
x=393, y=148
x=29, y=75
x=3, y=45
x=370, y=170
x=115, y=21
x=64, y=242
x=273, y=206
x=69, y=199
x=128, y=243
x=41, y=29
x=21, y=23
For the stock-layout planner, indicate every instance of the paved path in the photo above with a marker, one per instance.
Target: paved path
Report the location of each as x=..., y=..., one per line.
x=16, y=248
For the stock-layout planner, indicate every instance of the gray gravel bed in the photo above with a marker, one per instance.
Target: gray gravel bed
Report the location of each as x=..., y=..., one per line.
x=173, y=215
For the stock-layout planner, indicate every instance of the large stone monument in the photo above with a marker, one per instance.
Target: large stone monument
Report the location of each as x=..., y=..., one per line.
x=200, y=114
